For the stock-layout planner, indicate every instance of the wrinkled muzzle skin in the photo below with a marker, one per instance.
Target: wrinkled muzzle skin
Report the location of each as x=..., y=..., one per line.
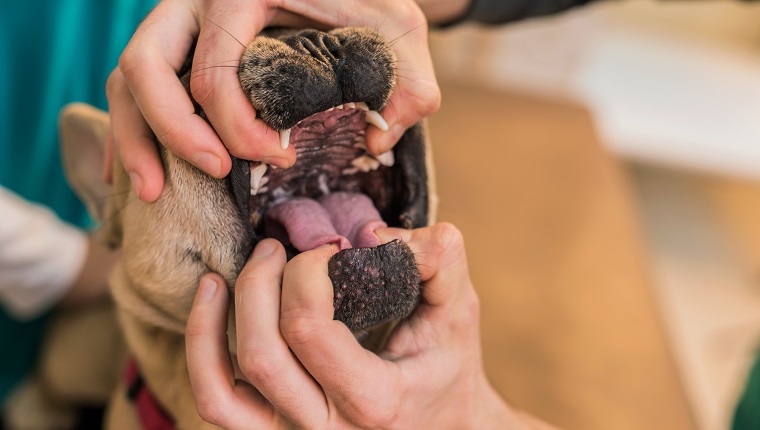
x=320, y=91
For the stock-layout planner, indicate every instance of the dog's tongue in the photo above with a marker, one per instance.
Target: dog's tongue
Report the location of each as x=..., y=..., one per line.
x=344, y=219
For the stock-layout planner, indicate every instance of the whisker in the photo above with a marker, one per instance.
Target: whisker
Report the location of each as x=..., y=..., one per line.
x=393, y=41
x=172, y=270
x=217, y=66
x=113, y=217
x=110, y=196
x=221, y=28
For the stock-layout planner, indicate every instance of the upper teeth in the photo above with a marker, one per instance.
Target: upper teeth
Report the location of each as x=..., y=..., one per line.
x=284, y=138
x=374, y=118
x=370, y=116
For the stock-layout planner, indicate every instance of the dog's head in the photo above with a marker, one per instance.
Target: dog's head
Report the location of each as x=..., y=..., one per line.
x=320, y=91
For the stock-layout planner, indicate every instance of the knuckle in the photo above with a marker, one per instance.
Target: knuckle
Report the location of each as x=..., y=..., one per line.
x=448, y=237
x=297, y=330
x=212, y=412
x=128, y=62
x=195, y=329
x=432, y=102
x=259, y=367
x=378, y=414
x=202, y=88
x=114, y=82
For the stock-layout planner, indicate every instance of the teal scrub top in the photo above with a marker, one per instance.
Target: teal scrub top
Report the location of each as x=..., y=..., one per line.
x=52, y=52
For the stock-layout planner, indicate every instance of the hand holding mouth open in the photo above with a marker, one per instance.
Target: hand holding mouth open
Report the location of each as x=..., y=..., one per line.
x=306, y=370
x=147, y=99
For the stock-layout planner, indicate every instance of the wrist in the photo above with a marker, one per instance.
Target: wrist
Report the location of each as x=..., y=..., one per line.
x=492, y=412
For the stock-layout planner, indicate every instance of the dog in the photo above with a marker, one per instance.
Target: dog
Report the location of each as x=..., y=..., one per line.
x=320, y=91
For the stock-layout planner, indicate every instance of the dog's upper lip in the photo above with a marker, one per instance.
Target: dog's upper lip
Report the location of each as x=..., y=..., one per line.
x=371, y=117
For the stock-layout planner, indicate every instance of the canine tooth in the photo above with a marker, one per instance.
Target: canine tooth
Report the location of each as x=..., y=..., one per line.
x=374, y=118
x=386, y=158
x=352, y=105
x=363, y=106
x=285, y=138
x=257, y=173
x=365, y=163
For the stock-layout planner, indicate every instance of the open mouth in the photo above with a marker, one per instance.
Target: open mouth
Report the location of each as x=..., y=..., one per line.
x=327, y=196
x=336, y=192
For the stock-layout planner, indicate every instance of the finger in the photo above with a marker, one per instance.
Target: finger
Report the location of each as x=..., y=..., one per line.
x=225, y=30
x=441, y=258
x=263, y=355
x=348, y=374
x=219, y=399
x=150, y=64
x=133, y=140
x=416, y=94
x=108, y=157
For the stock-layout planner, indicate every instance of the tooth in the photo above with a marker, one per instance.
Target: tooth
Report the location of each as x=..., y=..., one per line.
x=374, y=118
x=339, y=107
x=359, y=143
x=285, y=138
x=352, y=105
x=350, y=170
x=257, y=173
x=365, y=163
x=331, y=109
x=386, y=158
x=363, y=106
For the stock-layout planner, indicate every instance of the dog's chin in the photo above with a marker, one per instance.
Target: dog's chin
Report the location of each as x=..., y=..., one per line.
x=335, y=194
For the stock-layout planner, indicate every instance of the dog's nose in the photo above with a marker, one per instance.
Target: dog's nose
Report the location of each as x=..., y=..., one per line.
x=320, y=45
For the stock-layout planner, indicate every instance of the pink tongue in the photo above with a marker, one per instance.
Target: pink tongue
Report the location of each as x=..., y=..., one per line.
x=341, y=218
x=355, y=217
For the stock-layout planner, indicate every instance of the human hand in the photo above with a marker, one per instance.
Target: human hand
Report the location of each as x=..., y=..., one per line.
x=311, y=371
x=144, y=92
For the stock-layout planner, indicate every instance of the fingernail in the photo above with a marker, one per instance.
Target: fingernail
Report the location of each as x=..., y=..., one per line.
x=209, y=163
x=278, y=161
x=206, y=289
x=137, y=182
x=263, y=249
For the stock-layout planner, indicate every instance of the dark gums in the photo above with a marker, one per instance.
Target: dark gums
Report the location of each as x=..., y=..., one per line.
x=374, y=285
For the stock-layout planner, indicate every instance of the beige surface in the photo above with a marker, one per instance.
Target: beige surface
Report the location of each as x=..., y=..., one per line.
x=569, y=328
x=703, y=239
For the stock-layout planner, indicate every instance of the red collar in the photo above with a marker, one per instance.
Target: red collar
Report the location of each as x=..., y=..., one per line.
x=152, y=416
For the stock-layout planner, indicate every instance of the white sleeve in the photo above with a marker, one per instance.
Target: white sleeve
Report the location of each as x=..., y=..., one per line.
x=40, y=256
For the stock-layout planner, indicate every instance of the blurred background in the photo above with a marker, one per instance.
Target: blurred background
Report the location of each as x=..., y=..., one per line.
x=604, y=166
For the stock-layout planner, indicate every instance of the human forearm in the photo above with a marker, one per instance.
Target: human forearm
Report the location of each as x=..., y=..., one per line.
x=40, y=256
x=492, y=11
x=443, y=11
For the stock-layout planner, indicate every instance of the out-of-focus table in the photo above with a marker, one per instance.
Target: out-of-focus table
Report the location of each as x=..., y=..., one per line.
x=570, y=330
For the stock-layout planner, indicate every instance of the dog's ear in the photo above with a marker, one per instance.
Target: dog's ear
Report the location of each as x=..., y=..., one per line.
x=83, y=133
